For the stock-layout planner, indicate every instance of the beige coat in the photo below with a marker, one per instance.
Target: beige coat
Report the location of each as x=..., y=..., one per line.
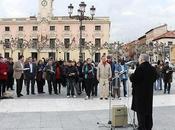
x=18, y=70
x=104, y=72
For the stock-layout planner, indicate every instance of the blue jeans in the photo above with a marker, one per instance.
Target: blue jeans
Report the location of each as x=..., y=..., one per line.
x=124, y=87
x=159, y=83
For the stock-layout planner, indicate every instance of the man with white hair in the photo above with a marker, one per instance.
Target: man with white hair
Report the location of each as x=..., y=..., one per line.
x=142, y=82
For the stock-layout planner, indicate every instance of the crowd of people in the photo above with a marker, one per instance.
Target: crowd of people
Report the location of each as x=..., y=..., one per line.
x=88, y=76
x=77, y=77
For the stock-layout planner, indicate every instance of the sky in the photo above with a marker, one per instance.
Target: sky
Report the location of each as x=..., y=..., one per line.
x=130, y=19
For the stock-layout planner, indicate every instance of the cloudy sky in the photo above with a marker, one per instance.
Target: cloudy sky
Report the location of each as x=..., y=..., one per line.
x=130, y=18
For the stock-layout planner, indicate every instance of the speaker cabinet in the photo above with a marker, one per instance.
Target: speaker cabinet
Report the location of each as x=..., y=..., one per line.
x=119, y=116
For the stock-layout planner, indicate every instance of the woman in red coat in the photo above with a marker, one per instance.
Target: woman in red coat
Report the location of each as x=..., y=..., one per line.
x=3, y=75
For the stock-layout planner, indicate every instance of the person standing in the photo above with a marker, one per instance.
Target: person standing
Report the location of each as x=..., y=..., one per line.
x=30, y=74
x=3, y=76
x=142, y=82
x=50, y=76
x=95, y=81
x=10, y=80
x=39, y=77
x=116, y=87
x=104, y=74
x=58, y=76
x=124, y=77
x=19, y=74
x=71, y=73
x=89, y=74
x=167, y=78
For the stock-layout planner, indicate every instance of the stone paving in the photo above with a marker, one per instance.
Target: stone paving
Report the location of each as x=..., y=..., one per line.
x=56, y=112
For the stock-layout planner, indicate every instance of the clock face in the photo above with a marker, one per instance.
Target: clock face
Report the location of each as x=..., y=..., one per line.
x=44, y=3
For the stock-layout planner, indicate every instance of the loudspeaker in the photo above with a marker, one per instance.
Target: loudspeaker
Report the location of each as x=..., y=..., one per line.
x=119, y=116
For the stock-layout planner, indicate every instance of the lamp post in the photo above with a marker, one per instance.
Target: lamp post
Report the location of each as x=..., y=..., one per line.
x=81, y=16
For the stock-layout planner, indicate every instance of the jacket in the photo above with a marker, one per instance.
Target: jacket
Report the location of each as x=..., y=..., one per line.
x=18, y=70
x=3, y=69
x=104, y=71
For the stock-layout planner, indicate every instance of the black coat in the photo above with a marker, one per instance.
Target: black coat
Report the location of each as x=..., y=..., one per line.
x=142, y=83
x=167, y=74
x=27, y=72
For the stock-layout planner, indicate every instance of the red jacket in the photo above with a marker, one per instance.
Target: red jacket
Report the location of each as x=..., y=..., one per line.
x=3, y=69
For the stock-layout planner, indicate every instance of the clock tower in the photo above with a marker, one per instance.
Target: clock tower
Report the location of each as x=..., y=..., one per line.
x=45, y=9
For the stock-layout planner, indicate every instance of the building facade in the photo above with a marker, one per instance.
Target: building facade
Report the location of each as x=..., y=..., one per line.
x=47, y=35
x=157, y=42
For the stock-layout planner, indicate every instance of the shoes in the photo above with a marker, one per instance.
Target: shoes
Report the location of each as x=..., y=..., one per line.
x=68, y=96
x=119, y=98
x=101, y=98
x=106, y=98
x=33, y=93
x=86, y=98
x=74, y=96
x=126, y=95
x=27, y=93
x=56, y=93
x=20, y=95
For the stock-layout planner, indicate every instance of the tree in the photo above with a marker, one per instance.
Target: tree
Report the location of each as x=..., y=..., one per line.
x=114, y=49
x=92, y=48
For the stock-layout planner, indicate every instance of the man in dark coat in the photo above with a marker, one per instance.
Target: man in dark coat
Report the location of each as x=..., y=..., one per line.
x=142, y=82
x=30, y=73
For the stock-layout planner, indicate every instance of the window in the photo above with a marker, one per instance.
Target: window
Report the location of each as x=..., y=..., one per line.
x=7, y=28
x=35, y=28
x=52, y=55
x=97, y=57
x=170, y=43
x=20, y=43
x=34, y=43
x=52, y=43
x=67, y=42
x=66, y=28
x=66, y=56
x=83, y=28
x=7, y=43
x=97, y=42
x=21, y=28
x=97, y=28
x=6, y=54
x=52, y=28
x=83, y=42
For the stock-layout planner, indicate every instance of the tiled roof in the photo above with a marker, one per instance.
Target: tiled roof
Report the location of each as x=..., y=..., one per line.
x=169, y=34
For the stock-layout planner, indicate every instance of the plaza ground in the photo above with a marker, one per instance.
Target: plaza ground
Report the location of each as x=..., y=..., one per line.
x=56, y=112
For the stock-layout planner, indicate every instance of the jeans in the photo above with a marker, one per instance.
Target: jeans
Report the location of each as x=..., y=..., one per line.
x=89, y=86
x=159, y=83
x=124, y=87
x=70, y=86
x=167, y=87
x=2, y=86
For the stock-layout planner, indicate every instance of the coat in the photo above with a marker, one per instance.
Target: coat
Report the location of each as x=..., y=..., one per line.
x=3, y=69
x=49, y=74
x=18, y=70
x=104, y=71
x=27, y=72
x=142, y=83
x=167, y=74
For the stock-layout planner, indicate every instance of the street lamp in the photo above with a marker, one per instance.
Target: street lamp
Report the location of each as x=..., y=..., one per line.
x=81, y=17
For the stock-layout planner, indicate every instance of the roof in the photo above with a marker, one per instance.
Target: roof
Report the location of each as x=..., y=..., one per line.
x=169, y=34
x=142, y=37
x=156, y=28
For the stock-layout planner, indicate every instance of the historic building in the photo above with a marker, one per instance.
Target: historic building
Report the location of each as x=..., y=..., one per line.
x=47, y=35
x=157, y=42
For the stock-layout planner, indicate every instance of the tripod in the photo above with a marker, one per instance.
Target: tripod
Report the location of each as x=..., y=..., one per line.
x=109, y=124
